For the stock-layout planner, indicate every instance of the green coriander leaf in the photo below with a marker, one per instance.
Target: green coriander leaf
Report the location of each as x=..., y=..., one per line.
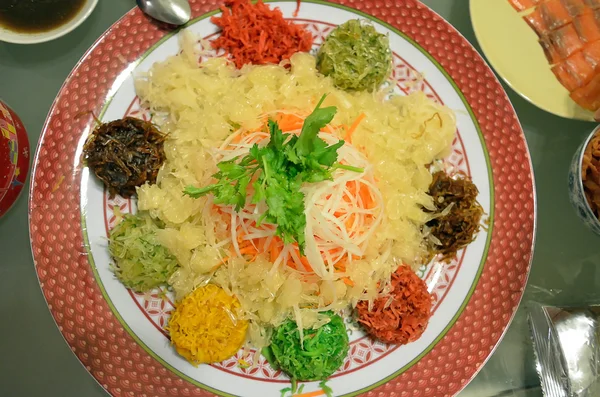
x=260, y=220
x=241, y=191
x=276, y=200
x=231, y=169
x=300, y=238
x=277, y=137
x=259, y=191
x=256, y=152
x=347, y=168
x=328, y=156
x=291, y=155
x=317, y=175
x=225, y=194
x=196, y=192
x=318, y=119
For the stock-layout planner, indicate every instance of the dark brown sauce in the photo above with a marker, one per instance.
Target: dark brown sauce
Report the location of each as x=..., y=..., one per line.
x=35, y=16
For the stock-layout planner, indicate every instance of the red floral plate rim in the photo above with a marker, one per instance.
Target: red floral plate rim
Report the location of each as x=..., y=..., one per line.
x=56, y=232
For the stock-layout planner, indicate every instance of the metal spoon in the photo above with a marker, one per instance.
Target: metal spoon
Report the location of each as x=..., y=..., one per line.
x=174, y=12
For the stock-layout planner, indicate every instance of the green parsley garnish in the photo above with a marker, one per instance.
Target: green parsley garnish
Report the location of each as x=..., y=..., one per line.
x=277, y=172
x=328, y=391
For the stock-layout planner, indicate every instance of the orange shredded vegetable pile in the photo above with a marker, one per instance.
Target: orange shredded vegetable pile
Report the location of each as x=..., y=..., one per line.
x=204, y=327
x=401, y=317
x=256, y=34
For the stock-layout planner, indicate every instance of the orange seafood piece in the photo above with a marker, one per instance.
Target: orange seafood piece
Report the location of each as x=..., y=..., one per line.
x=574, y=72
x=576, y=7
x=566, y=41
x=591, y=53
x=587, y=27
x=593, y=4
x=555, y=14
x=550, y=51
x=522, y=5
x=537, y=22
x=588, y=96
x=565, y=78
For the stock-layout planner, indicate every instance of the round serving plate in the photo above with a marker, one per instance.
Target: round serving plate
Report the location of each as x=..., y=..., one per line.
x=120, y=336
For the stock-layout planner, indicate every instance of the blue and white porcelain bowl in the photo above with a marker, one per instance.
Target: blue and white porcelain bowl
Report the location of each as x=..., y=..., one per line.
x=576, y=192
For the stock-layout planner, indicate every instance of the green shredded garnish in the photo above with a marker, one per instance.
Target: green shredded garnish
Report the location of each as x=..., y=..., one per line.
x=285, y=391
x=140, y=262
x=322, y=353
x=268, y=355
x=293, y=390
x=328, y=390
x=356, y=57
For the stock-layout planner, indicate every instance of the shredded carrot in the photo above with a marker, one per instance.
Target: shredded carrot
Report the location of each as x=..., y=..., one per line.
x=306, y=264
x=354, y=126
x=365, y=195
x=348, y=282
x=297, y=10
x=249, y=249
x=257, y=34
x=315, y=393
x=401, y=317
x=288, y=122
x=274, y=249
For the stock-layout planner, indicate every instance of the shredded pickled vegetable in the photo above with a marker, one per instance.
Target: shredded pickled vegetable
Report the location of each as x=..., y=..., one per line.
x=356, y=56
x=458, y=214
x=140, y=261
x=402, y=316
x=256, y=34
x=205, y=327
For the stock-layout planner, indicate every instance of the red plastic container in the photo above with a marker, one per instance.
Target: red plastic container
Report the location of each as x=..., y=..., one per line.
x=14, y=157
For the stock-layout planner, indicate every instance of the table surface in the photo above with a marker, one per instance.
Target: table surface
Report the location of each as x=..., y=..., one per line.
x=36, y=361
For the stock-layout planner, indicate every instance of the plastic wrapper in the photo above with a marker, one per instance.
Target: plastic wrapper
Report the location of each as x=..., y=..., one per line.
x=566, y=343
